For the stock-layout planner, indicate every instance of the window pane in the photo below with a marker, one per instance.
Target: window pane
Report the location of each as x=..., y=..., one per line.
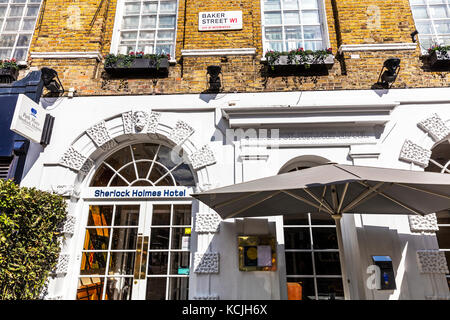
x=24, y=40
x=28, y=24
x=308, y=291
x=147, y=47
x=128, y=35
x=121, y=263
x=324, y=238
x=443, y=237
x=132, y=8
x=313, y=45
x=310, y=17
x=273, y=34
x=167, y=21
x=327, y=263
x=180, y=238
x=168, y=6
x=166, y=35
x=291, y=18
x=32, y=11
x=156, y=288
x=119, y=288
x=161, y=215
x=16, y=11
x=128, y=173
x=178, y=288
x=309, y=4
x=125, y=49
x=179, y=260
x=7, y=40
x=443, y=27
x=297, y=219
x=148, y=22
x=420, y=12
x=297, y=238
x=130, y=22
x=312, y=32
x=20, y=54
x=299, y=263
x=2, y=11
x=127, y=216
x=293, y=33
x=272, y=18
x=93, y=263
x=183, y=175
x=438, y=11
x=5, y=53
x=290, y=4
x=159, y=238
x=275, y=46
x=443, y=217
x=272, y=5
x=424, y=27
x=330, y=289
x=157, y=262
x=148, y=35
x=90, y=288
x=100, y=215
x=150, y=7
x=124, y=239
x=12, y=24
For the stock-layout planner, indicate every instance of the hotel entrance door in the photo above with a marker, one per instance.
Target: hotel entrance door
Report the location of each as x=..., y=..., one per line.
x=136, y=251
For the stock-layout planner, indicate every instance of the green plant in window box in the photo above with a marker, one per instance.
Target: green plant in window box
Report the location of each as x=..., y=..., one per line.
x=298, y=57
x=9, y=70
x=439, y=55
x=135, y=60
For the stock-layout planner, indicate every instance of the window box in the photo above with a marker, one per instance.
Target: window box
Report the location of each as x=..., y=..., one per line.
x=284, y=60
x=439, y=59
x=8, y=75
x=138, y=66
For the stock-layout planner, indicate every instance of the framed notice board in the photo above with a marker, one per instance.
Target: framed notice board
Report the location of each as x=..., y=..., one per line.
x=257, y=253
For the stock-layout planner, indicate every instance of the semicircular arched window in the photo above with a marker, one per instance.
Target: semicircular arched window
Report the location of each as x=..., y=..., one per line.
x=144, y=164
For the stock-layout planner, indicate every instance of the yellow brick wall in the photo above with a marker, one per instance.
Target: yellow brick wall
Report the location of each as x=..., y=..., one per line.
x=66, y=27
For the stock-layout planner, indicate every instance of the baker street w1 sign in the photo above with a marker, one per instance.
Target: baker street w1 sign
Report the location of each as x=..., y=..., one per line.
x=220, y=20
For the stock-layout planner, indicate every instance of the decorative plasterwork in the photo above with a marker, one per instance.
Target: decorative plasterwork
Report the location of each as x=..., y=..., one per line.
x=414, y=153
x=435, y=127
x=181, y=132
x=100, y=135
x=207, y=222
x=76, y=161
x=210, y=297
x=69, y=226
x=202, y=157
x=432, y=261
x=64, y=190
x=426, y=223
x=63, y=264
x=67, y=55
x=206, y=262
x=137, y=121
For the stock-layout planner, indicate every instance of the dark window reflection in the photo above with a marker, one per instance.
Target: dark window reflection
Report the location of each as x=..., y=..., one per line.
x=90, y=288
x=124, y=239
x=327, y=263
x=127, y=216
x=324, y=238
x=308, y=291
x=330, y=288
x=443, y=217
x=100, y=215
x=296, y=219
x=182, y=214
x=157, y=262
x=179, y=260
x=96, y=239
x=443, y=237
x=178, y=288
x=159, y=238
x=297, y=238
x=119, y=288
x=178, y=237
x=120, y=158
x=299, y=263
x=121, y=263
x=93, y=263
x=102, y=176
x=161, y=215
x=156, y=288
x=322, y=218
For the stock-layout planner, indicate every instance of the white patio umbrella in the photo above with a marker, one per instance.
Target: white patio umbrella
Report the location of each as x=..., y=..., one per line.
x=335, y=189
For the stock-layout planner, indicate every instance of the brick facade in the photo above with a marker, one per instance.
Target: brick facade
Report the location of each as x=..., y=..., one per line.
x=68, y=26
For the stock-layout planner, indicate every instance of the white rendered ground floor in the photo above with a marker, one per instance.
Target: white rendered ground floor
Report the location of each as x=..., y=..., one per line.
x=128, y=164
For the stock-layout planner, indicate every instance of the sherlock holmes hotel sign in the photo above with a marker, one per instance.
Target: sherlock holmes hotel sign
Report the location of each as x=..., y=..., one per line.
x=220, y=20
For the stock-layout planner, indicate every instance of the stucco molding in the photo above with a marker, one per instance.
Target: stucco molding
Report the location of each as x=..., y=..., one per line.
x=412, y=152
x=63, y=264
x=435, y=127
x=101, y=137
x=74, y=160
x=432, y=261
x=67, y=55
x=377, y=47
x=218, y=52
x=180, y=132
x=69, y=225
x=64, y=190
x=140, y=121
x=207, y=222
x=206, y=262
x=202, y=157
x=426, y=223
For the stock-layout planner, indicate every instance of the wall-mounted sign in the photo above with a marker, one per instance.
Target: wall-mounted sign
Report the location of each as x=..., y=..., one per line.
x=220, y=20
x=28, y=119
x=137, y=192
x=257, y=253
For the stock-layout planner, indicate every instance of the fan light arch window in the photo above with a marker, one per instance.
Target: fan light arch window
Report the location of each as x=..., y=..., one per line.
x=17, y=22
x=148, y=26
x=432, y=19
x=293, y=24
x=144, y=164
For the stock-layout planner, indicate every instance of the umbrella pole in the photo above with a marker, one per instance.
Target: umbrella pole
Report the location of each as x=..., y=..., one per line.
x=337, y=220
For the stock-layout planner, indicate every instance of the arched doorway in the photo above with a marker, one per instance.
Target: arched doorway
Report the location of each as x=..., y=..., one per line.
x=138, y=248
x=440, y=162
x=311, y=246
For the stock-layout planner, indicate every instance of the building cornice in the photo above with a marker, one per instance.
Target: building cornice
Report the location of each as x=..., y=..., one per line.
x=377, y=47
x=67, y=55
x=218, y=52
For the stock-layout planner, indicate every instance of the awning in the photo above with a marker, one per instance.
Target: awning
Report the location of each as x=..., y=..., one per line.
x=334, y=189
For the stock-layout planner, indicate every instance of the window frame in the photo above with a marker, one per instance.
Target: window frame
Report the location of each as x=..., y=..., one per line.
x=120, y=10
x=322, y=22
x=18, y=32
x=435, y=36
